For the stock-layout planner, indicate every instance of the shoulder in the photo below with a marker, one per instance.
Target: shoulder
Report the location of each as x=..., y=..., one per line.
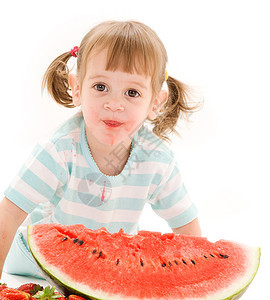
x=153, y=147
x=67, y=134
x=62, y=141
x=70, y=128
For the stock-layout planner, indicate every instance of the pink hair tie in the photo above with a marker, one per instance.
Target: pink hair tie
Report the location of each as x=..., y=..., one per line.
x=74, y=51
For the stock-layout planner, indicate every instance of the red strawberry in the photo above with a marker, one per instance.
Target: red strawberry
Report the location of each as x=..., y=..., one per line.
x=13, y=294
x=2, y=286
x=49, y=294
x=30, y=288
x=61, y=297
x=75, y=297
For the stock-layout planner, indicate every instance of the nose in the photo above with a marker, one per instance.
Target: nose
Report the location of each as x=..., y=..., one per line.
x=114, y=106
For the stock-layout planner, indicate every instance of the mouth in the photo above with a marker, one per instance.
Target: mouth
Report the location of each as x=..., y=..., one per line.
x=112, y=123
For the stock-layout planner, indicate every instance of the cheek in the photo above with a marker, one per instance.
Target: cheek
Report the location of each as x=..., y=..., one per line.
x=136, y=119
x=91, y=114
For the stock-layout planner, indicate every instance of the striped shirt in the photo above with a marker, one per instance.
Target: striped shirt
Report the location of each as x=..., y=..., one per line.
x=60, y=182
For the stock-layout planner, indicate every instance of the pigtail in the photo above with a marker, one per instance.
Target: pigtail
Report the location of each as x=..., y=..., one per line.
x=176, y=106
x=55, y=80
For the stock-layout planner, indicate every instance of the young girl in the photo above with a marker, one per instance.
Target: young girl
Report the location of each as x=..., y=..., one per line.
x=102, y=165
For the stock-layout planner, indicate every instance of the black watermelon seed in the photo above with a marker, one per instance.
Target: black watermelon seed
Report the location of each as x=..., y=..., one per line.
x=176, y=262
x=141, y=262
x=117, y=262
x=163, y=265
x=80, y=242
x=170, y=264
x=193, y=262
x=205, y=256
x=212, y=255
x=225, y=256
x=184, y=262
x=94, y=251
x=64, y=238
x=100, y=254
x=75, y=241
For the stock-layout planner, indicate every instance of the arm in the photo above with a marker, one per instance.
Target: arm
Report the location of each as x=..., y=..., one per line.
x=11, y=217
x=192, y=228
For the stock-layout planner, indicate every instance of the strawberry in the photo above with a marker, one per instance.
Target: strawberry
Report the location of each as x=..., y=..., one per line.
x=75, y=297
x=2, y=286
x=61, y=297
x=13, y=294
x=30, y=288
x=49, y=294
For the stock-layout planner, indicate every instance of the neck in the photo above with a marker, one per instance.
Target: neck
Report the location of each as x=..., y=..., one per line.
x=110, y=159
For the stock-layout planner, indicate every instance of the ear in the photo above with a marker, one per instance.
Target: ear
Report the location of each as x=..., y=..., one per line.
x=157, y=104
x=75, y=88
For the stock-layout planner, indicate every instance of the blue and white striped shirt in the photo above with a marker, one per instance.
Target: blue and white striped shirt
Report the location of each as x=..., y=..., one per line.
x=60, y=182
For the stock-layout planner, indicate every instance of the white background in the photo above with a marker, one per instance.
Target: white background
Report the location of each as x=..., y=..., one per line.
x=219, y=47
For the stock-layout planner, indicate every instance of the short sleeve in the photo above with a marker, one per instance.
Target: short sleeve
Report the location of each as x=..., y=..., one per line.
x=40, y=180
x=171, y=201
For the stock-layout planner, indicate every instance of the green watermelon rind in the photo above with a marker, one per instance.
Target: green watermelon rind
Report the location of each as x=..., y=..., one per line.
x=256, y=253
x=239, y=293
x=61, y=286
x=66, y=289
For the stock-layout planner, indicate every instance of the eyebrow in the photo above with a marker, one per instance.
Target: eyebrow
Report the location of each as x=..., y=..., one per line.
x=138, y=83
x=97, y=76
x=132, y=82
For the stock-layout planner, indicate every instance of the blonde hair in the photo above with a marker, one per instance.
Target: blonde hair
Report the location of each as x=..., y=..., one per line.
x=133, y=47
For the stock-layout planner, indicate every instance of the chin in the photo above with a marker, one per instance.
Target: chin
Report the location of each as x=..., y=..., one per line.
x=113, y=141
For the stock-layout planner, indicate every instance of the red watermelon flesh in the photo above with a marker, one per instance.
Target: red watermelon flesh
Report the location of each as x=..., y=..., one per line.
x=149, y=265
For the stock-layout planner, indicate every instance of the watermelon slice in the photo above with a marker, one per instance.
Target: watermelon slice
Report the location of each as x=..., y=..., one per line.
x=98, y=265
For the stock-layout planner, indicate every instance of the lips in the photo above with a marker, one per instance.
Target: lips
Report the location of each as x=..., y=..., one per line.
x=112, y=123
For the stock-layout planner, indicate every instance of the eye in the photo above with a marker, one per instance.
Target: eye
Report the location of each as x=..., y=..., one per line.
x=132, y=93
x=101, y=87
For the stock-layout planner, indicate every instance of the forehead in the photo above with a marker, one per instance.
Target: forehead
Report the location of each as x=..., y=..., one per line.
x=126, y=55
x=97, y=65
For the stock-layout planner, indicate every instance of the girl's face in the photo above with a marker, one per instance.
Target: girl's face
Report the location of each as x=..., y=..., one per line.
x=114, y=104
